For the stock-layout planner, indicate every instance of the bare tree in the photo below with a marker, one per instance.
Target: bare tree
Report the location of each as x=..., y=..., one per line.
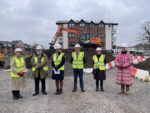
x=145, y=36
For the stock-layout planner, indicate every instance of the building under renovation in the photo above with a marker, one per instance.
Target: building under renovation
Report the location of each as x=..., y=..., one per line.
x=105, y=31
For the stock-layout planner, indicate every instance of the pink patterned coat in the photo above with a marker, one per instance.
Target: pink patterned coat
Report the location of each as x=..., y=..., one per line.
x=123, y=64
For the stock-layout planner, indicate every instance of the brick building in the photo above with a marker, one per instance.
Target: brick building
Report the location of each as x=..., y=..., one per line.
x=106, y=32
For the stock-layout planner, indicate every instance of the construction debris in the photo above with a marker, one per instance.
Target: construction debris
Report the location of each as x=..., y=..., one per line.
x=144, y=65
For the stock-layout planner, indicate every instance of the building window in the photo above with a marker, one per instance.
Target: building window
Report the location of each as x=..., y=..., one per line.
x=101, y=26
x=102, y=44
x=71, y=25
x=92, y=35
x=91, y=25
x=71, y=44
x=102, y=35
x=71, y=35
x=82, y=24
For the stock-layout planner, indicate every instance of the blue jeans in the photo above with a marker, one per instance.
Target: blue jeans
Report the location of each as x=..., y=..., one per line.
x=78, y=73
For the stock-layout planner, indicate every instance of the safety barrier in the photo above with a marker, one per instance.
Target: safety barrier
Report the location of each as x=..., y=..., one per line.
x=138, y=59
x=140, y=74
x=136, y=73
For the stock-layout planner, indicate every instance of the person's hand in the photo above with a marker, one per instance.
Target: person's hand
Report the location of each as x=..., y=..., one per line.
x=119, y=67
x=56, y=68
x=21, y=74
x=37, y=66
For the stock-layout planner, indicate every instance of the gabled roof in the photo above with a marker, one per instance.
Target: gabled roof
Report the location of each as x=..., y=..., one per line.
x=101, y=22
x=82, y=20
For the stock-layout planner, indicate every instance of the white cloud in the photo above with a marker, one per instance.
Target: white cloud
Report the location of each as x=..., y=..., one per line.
x=34, y=20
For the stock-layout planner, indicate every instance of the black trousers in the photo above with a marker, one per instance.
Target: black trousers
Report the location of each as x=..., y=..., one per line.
x=78, y=73
x=97, y=84
x=43, y=86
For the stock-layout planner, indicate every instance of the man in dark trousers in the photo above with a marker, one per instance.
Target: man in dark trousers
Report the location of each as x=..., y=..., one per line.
x=39, y=70
x=78, y=60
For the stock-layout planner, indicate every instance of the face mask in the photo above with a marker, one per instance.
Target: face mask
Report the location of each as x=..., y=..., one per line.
x=124, y=52
x=38, y=52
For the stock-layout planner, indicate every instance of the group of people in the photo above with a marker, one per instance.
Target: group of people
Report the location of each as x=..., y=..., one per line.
x=40, y=70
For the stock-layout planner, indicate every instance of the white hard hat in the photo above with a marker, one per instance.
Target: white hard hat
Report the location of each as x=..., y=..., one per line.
x=18, y=50
x=98, y=49
x=38, y=47
x=77, y=45
x=124, y=45
x=58, y=46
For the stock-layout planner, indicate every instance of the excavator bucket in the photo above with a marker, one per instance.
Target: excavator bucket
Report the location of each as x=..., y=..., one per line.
x=95, y=40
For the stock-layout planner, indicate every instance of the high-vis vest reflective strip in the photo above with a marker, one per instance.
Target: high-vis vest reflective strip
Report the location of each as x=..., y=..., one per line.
x=99, y=63
x=45, y=68
x=19, y=64
x=77, y=60
x=57, y=60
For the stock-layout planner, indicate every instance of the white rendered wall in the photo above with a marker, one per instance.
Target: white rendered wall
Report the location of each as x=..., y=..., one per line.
x=65, y=38
x=108, y=40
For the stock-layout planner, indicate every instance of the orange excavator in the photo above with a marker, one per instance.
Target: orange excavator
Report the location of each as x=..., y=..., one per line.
x=93, y=41
x=59, y=33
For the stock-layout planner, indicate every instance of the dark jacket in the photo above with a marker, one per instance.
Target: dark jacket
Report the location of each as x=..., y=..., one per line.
x=39, y=72
x=100, y=75
x=61, y=64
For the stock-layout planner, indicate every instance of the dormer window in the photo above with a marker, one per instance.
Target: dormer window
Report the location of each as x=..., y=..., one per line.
x=101, y=26
x=91, y=25
x=82, y=24
x=71, y=25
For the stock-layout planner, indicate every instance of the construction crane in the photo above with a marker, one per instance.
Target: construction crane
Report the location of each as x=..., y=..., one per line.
x=96, y=41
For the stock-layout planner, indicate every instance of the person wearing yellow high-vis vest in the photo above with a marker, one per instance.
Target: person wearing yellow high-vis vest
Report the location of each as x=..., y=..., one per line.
x=58, y=61
x=18, y=69
x=78, y=60
x=99, y=62
x=40, y=69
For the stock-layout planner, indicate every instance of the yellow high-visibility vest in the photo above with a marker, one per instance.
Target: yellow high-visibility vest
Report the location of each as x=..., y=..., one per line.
x=45, y=68
x=19, y=64
x=78, y=61
x=99, y=63
x=58, y=60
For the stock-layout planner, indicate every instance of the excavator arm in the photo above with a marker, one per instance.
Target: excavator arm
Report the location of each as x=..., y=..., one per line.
x=59, y=32
x=96, y=41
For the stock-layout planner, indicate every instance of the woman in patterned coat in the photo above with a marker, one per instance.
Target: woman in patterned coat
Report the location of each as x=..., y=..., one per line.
x=123, y=64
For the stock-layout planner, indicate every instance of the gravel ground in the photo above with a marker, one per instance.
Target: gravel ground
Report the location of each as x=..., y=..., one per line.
x=88, y=102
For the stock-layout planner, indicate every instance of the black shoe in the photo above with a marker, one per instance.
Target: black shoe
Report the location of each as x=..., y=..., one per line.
x=44, y=93
x=60, y=91
x=82, y=90
x=19, y=96
x=15, y=97
x=74, y=90
x=97, y=89
x=35, y=94
x=57, y=92
x=102, y=89
x=15, y=94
